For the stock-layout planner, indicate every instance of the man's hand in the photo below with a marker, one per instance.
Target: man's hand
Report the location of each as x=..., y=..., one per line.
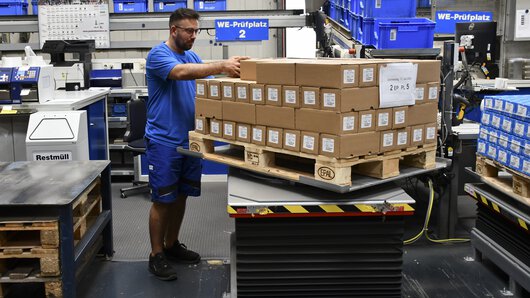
x=232, y=67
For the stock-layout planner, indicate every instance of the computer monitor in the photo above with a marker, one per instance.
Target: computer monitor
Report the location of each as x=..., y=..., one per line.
x=481, y=40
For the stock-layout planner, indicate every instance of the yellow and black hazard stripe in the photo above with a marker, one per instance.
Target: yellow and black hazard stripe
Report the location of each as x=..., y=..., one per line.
x=519, y=221
x=322, y=210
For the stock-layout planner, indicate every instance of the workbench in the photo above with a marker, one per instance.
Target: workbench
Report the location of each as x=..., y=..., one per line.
x=35, y=191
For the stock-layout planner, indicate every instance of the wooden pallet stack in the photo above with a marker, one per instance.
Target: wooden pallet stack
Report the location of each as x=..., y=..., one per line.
x=328, y=118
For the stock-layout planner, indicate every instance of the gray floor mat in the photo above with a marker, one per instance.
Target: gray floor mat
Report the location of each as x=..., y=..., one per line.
x=206, y=227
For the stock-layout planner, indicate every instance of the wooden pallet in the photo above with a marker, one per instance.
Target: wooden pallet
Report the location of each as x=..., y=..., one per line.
x=86, y=209
x=518, y=184
x=52, y=289
x=47, y=259
x=292, y=165
x=29, y=233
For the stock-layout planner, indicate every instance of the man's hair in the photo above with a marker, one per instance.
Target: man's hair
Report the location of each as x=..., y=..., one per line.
x=181, y=14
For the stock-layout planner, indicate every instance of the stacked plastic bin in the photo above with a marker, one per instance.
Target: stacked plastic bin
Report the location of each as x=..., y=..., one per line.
x=13, y=7
x=130, y=6
x=209, y=5
x=384, y=24
x=168, y=5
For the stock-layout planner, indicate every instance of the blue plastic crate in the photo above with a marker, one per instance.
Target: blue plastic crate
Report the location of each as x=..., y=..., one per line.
x=354, y=7
x=407, y=33
x=344, y=17
x=35, y=6
x=130, y=6
x=387, y=8
x=333, y=11
x=11, y=8
x=210, y=5
x=424, y=3
x=168, y=5
x=367, y=34
x=355, y=26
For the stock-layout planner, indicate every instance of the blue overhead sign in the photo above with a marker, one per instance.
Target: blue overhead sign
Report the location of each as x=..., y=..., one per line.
x=242, y=30
x=446, y=20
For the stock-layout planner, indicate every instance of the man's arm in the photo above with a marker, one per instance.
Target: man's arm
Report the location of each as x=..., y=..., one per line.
x=192, y=71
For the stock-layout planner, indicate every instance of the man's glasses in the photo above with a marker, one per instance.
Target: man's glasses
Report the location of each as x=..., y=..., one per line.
x=190, y=31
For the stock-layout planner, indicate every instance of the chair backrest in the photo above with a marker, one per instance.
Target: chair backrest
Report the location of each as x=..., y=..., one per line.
x=137, y=116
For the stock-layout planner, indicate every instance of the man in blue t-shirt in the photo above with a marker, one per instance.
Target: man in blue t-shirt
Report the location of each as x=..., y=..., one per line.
x=171, y=72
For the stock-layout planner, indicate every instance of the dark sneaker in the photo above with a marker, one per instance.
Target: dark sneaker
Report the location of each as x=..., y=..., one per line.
x=180, y=253
x=161, y=268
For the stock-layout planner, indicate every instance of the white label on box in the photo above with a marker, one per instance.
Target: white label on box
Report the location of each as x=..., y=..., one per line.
x=366, y=121
x=519, y=129
x=399, y=117
x=417, y=135
x=497, y=105
x=503, y=156
x=509, y=107
x=328, y=145
x=433, y=92
x=161, y=5
x=242, y=132
x=310, y=98
x=349, y=76
x=503, y=141
x=527, y=149
x=272, y=94
x=516, y=146
x=526, y=166
x=528, y=132
x=507, y=125
x=214, y=128
x=496, y=121
x=229, y=129
x=493, y=138
x=402, y=138
x=199, y=125
x=290, y=96
x=420, y=93
x=431, y=133
x=515, y=161
x=521, y=110
x=368, y=75
x=393, y=34
x=200, y=89
x=274, y=136
x=257, y=134
x=329, y=100
x=492, y=151
x=488, y=103
x=120, y=6
x=481, y=147
x=241, y=92
x=483, y=134
x=256, y=94
x=227, y=91
x=290, y=140
x=382, y=121
x=388, y=139
x=214, y=91
x=397, y=84
x=486, y=118
x=309, y=143
x=378, y=3
x=348, y=123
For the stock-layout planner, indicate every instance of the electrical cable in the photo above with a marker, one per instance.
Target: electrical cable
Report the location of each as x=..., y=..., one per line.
x=425, y=229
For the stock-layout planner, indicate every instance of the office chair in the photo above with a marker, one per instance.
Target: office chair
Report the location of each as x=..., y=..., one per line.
x=134, y=136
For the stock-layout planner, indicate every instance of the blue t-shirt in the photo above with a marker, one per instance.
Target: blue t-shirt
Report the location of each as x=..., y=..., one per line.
x=171, y=103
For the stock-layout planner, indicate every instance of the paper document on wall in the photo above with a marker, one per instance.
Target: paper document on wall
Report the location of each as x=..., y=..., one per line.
x=397, y=84
x=522, y=24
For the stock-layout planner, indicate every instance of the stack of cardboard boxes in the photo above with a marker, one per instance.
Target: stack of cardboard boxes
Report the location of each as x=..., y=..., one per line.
x=326, y=107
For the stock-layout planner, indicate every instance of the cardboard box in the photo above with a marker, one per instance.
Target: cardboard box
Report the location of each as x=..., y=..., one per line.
x=239, y=112
x=291, y=140
x=201, y=125
x=428, y=70
x=403, y=138
x=422, y=114
x=227, y=88
x=275, y=137
x=216, y=128
x=243, y=132
x=201, y=86
x=399, y=117
x=368, y=75
x=384, y=119
x=431, y=133
x=257, y=94
x=327, y=74
x=276, y=72
x=273, y=95
x=229, y=130
x=388, y=140
x=259, y=135
x=310, y=98
x=433, y=92
x=309, y=142
x=291, y=96
x=248, y=68
x=242, y=91
x=417, y=134
x=208, y=108
x=351, y=99
x=214, y=89
x=421, y=93
x=283, y=117
x=349, y=145
x=329, y=122
x=367, y=121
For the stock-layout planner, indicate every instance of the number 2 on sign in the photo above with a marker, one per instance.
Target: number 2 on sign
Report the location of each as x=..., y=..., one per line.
x=399, y=87
x=242, y=34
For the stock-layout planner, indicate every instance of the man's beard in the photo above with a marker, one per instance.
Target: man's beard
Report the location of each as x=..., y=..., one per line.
x=182, y=45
